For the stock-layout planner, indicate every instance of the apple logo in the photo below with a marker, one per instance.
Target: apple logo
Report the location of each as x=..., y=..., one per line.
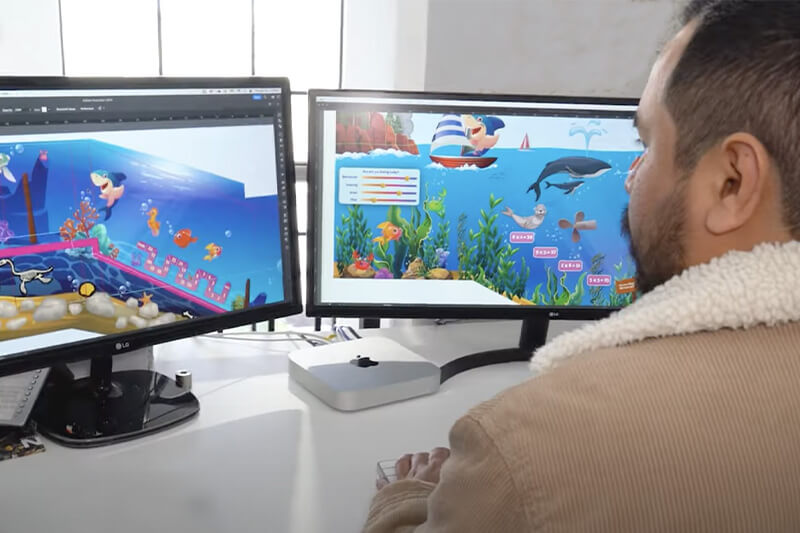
x=363, y=361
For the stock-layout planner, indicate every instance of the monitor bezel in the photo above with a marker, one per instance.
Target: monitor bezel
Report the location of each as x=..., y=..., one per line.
x=125, y=342
x=315, y=309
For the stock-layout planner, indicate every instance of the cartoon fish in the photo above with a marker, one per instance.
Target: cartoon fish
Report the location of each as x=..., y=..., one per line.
x=152, y=223
x=362, y=263
x=5, y=159
x=111, y=188
x=481, y=133
x=214, y=251
x=568, y=187
x=580, y=224
x=436, y=203
x=530, y=222
x=575, y=166
x=390, y=233
x=183, y=237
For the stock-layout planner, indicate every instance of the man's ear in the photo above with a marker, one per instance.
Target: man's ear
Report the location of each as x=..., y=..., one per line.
x=741, y=170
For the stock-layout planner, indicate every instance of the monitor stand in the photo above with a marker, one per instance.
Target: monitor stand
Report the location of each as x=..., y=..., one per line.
x=532, y=336
x=108, y=407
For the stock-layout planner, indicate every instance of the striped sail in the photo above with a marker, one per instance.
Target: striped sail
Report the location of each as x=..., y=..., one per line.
x=449, y=132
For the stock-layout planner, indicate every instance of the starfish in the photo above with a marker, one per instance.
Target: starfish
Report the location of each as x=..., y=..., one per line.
x=145, y=299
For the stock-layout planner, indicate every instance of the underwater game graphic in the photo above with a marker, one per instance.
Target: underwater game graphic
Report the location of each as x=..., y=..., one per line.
x=97, y=237
x=529, y=207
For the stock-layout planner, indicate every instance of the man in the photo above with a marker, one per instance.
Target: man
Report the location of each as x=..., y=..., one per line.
x=682, y=412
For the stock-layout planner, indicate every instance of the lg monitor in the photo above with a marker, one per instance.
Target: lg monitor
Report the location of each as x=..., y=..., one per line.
x=135, y=212
x=469, y=206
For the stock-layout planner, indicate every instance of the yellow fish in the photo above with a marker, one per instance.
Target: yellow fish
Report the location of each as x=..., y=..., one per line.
x=390, y=233
x=214, y=251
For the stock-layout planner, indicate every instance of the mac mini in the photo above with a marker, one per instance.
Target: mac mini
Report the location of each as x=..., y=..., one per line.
x=363, y=373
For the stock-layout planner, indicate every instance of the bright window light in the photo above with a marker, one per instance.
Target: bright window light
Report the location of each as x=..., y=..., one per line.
x=300, y=127
x=298, y=39
x=110, y=37
x=206, y=37
x=29, y=38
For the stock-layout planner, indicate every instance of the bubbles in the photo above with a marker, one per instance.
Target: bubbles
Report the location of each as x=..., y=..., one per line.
x=228, y=233
x=75, y=284
x=123, y=289
x=69, y=278
x=128, y=284
x=149, y=201
x=19, y=148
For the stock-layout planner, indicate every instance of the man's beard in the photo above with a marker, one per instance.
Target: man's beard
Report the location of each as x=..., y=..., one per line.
x=658, y=252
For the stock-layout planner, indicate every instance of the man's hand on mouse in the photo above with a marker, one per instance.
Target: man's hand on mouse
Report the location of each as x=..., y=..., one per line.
x=421, y=466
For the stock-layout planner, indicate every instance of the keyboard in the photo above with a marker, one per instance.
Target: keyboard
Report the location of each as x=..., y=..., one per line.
x=18, y=394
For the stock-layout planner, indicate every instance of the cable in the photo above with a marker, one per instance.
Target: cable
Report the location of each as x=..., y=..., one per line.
x=311, y=338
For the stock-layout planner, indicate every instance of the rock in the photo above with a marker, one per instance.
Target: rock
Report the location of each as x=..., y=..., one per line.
x=27, y=305
x=138, y=321
x=149, y=310
x=16, y=323
x=414, y=270
x=121, y=323
x=75, y=309
x=132, y=302
x=166, y=318
x=8, y=309
x=438, y=273
x=100, y=304
x=51, y=309
x=352, y=272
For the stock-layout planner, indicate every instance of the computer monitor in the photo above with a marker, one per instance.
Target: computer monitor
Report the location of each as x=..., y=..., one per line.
x=426, y=205
x=135, y=212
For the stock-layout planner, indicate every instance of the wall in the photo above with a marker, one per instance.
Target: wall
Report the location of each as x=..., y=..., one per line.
x=385, y=44
x=30, y=41
x=566, y=47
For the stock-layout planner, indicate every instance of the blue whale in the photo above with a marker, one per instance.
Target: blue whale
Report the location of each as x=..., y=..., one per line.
x=575, y=166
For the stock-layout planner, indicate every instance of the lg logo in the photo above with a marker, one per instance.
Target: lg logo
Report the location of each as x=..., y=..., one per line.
x=123, y=345
x=553, y=314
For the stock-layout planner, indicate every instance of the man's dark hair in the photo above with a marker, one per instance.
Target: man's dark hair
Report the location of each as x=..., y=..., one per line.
x=740, y=72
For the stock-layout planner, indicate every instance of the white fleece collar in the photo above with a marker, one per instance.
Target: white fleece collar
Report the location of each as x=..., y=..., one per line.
x=737, y=290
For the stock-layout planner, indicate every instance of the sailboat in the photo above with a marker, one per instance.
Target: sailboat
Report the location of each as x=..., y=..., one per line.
x=526, y=144
x=450, y=131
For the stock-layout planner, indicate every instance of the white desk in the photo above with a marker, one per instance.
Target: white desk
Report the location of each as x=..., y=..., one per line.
x=264, y=455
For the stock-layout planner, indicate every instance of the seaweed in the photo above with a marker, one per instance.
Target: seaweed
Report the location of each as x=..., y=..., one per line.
x=353, y=235
x=410, y=244
x=486, y=259
x=556, y=291
x=441, y=238
x=596, y=293
x=621, y=300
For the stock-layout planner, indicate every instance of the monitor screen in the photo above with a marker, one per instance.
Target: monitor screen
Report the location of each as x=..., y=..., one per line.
x=431, y=204
x=137, y=212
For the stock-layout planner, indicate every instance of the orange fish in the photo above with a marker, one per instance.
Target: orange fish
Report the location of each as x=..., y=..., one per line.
x=152, y=223
x=214, y=251
x=183, y=237
x=390, y=233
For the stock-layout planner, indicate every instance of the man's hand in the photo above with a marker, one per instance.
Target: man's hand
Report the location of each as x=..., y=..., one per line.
x=421, y=466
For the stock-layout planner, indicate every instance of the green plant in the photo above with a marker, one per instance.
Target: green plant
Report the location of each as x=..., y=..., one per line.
x=621, y=300
x=596, y=293
x=556, y=291
x=353, y=235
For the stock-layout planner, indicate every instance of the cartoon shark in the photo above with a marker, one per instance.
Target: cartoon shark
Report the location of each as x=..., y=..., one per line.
x=568, y=187
x=4, y=160
x=111, y=188
x=575, y=166
x=481, y=132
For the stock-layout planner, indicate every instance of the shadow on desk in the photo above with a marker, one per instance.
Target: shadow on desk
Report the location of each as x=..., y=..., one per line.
x=236, y=476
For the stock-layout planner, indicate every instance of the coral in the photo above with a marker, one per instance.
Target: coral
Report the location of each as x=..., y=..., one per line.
x=5, y=232
x=353, y=235
x=238, y=303
x=81, y=223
